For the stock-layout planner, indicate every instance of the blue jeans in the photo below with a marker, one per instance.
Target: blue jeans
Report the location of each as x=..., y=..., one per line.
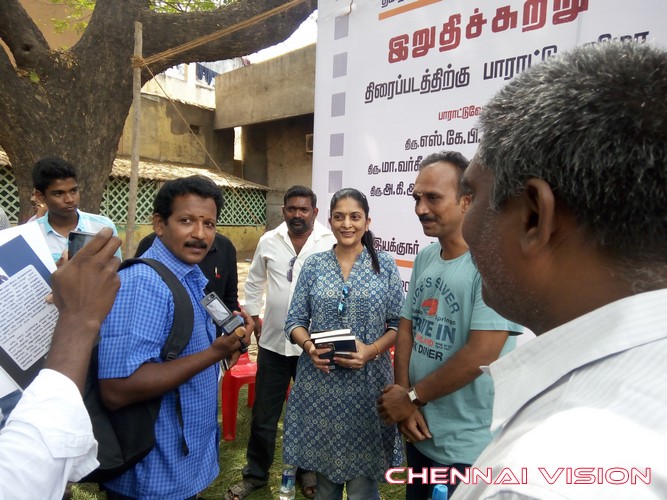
x=359, y=488
x=417, y=460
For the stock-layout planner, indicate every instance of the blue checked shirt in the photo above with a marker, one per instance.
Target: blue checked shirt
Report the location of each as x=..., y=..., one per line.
x=133, y=334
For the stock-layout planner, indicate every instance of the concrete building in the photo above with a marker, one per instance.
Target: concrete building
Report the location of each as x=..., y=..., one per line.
x=273, y=104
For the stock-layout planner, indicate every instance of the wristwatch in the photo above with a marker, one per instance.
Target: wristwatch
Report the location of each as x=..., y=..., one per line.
x=414, y=399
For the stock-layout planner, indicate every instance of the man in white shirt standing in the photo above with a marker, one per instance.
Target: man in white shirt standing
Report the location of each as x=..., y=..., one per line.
x=48, y=439
x=275, y=267
x=567, y=226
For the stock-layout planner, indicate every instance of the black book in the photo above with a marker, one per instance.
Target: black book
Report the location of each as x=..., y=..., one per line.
x=342, y=343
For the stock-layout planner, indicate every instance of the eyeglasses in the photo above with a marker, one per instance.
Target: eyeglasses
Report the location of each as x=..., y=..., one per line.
x=291, y=267
x=342, y=305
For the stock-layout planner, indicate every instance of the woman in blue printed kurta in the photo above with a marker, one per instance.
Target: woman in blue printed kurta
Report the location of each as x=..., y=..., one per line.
x=331, y=423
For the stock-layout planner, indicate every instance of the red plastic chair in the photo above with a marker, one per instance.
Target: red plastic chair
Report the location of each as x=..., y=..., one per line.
x=243, y=372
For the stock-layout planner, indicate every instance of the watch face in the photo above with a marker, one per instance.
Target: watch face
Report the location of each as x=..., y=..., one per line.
x=412, y=394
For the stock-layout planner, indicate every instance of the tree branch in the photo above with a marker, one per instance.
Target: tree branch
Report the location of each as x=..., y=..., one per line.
x=73, y=103
x=109, y=26
x=6, y=67
x=22, y=36
x=164, y=31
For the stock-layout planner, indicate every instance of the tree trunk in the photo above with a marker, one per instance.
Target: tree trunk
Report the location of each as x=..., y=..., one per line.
x=74, y=103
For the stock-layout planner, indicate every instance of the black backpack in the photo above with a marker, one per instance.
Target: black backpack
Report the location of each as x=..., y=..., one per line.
x=127, y=435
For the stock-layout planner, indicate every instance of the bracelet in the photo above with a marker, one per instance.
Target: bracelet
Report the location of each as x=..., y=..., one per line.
x=377, y=349
x=303, y=346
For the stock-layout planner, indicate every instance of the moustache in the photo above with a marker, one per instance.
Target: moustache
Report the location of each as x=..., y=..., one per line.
x=296, y=221
x=196, y=244
x=426, y=218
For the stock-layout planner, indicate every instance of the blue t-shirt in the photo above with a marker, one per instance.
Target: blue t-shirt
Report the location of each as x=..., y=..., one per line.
x=133, y=334
x=444, y=303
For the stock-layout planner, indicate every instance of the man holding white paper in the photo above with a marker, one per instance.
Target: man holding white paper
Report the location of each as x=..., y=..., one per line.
x=49, y=430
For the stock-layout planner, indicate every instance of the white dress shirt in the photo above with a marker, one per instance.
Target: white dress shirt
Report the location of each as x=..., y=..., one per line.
x=48, y=440
x=589, y=397
x=268, y=271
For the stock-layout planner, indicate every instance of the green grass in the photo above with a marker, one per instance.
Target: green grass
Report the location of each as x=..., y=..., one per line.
x=232, y=460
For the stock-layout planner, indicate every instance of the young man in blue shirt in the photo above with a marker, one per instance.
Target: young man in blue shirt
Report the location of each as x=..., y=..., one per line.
x=56, y=186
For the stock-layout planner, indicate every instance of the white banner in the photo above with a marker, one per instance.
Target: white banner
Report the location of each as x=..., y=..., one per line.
x=400, y=79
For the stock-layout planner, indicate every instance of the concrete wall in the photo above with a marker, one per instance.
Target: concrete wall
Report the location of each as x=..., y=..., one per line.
x=185, y=87
x=288, y=162
x=244, y=238
x=164, y=136
x=278, y=88
x=274, y=154
x=273, y=102
x=181, y=81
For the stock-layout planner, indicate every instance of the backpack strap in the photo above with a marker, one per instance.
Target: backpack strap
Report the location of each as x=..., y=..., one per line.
x=181, y=326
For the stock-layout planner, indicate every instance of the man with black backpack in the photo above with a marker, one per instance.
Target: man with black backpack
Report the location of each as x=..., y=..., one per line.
x=185, y=457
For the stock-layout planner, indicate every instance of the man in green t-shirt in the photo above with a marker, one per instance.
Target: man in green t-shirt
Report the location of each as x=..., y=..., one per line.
x=445, y=334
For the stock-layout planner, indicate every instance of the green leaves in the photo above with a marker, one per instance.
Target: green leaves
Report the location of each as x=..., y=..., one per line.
x=79, y=11
x=187, y=5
